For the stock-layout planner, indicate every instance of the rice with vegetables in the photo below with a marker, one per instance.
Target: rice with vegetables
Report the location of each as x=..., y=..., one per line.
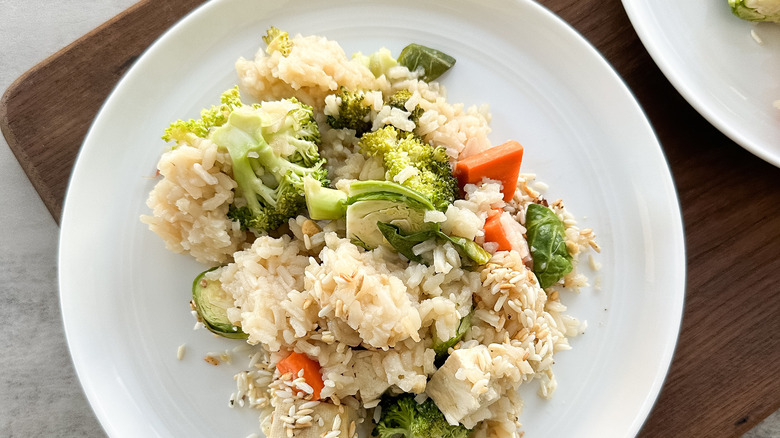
x=393, y=270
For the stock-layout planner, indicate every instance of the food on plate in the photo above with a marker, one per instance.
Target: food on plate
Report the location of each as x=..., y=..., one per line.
x=756, y=10
x=390, y=269
x=210, y=302
x=432, y=62
x=405, y=418
x=547, y=240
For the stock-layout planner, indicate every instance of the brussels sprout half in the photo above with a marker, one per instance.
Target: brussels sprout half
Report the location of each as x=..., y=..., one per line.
x=211, y=302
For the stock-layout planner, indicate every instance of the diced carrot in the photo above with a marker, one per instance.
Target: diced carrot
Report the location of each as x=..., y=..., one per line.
x=494, y=232
x=501, y=163
x=296, y=362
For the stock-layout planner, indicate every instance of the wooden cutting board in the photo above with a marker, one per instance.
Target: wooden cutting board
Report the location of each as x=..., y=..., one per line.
x=724, y=376
x=45, y=113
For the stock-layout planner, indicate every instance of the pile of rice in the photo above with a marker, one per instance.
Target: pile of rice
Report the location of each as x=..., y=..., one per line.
x=312, y=291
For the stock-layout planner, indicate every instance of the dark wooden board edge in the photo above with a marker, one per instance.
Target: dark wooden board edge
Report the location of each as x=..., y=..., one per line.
x=46, y=112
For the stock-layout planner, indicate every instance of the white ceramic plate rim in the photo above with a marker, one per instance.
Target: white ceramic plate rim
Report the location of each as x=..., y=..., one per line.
x=91, y=256
x=675, y=56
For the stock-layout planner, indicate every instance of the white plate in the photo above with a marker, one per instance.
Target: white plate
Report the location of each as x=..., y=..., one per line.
x=124, y=297
x=712, y=59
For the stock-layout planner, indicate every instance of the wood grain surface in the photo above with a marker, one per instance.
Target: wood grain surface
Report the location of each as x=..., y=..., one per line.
x=724, y=376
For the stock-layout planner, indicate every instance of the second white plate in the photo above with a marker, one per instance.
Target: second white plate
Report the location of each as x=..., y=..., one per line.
x=715, y=62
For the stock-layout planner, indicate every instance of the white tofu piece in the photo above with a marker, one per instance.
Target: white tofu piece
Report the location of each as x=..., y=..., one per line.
x=463, y=385
x=371, y=385
x=327, y=411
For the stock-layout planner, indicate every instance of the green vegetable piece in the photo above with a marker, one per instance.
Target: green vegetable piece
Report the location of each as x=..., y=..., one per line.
x=217, y=115
x=369, y=189
x=270, y=185
x=323, y=202
x=399, y=99
x=277, y=41
x=363, y=215
x=381, y=61
x=401, y=150
x=404, y=243
x=470, y=248
x=378, y=62
x=353, y=112
x=211, y=302
x=371, y=202
x=756, y=10
x=431, y=423
x=403, y=417
x=434, y=63
x=401, y=213
x=547, y=240
x=441, y=348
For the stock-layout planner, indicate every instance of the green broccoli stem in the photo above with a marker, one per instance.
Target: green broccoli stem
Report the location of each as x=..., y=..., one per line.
x=239, y=144
x=323, y=202
x=246, y=179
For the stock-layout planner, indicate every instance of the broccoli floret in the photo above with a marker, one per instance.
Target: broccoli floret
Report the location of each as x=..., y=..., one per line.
x=217, y=115
x=756, y=10
x=292, y=131
x=353, y=112
x=277, y=41
x=397, y=418
x=400, y=150
x=399, y=99
x=272, y=148
x=403, y=417
x=433, y=424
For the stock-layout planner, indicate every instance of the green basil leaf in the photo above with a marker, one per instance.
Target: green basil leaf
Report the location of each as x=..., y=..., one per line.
x=547, y=240
x=433, y=62
x=404, y=244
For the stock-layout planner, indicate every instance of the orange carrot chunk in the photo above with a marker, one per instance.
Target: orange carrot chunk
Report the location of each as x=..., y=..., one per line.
x=296, y=362
x=501, y=163
x=494, y=232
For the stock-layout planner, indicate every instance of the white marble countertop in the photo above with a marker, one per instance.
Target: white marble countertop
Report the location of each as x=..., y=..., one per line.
x=40, y=395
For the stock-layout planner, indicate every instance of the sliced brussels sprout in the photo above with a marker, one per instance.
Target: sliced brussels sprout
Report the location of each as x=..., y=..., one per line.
x=362, y=217
x=387, y=190
x=211, y=302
